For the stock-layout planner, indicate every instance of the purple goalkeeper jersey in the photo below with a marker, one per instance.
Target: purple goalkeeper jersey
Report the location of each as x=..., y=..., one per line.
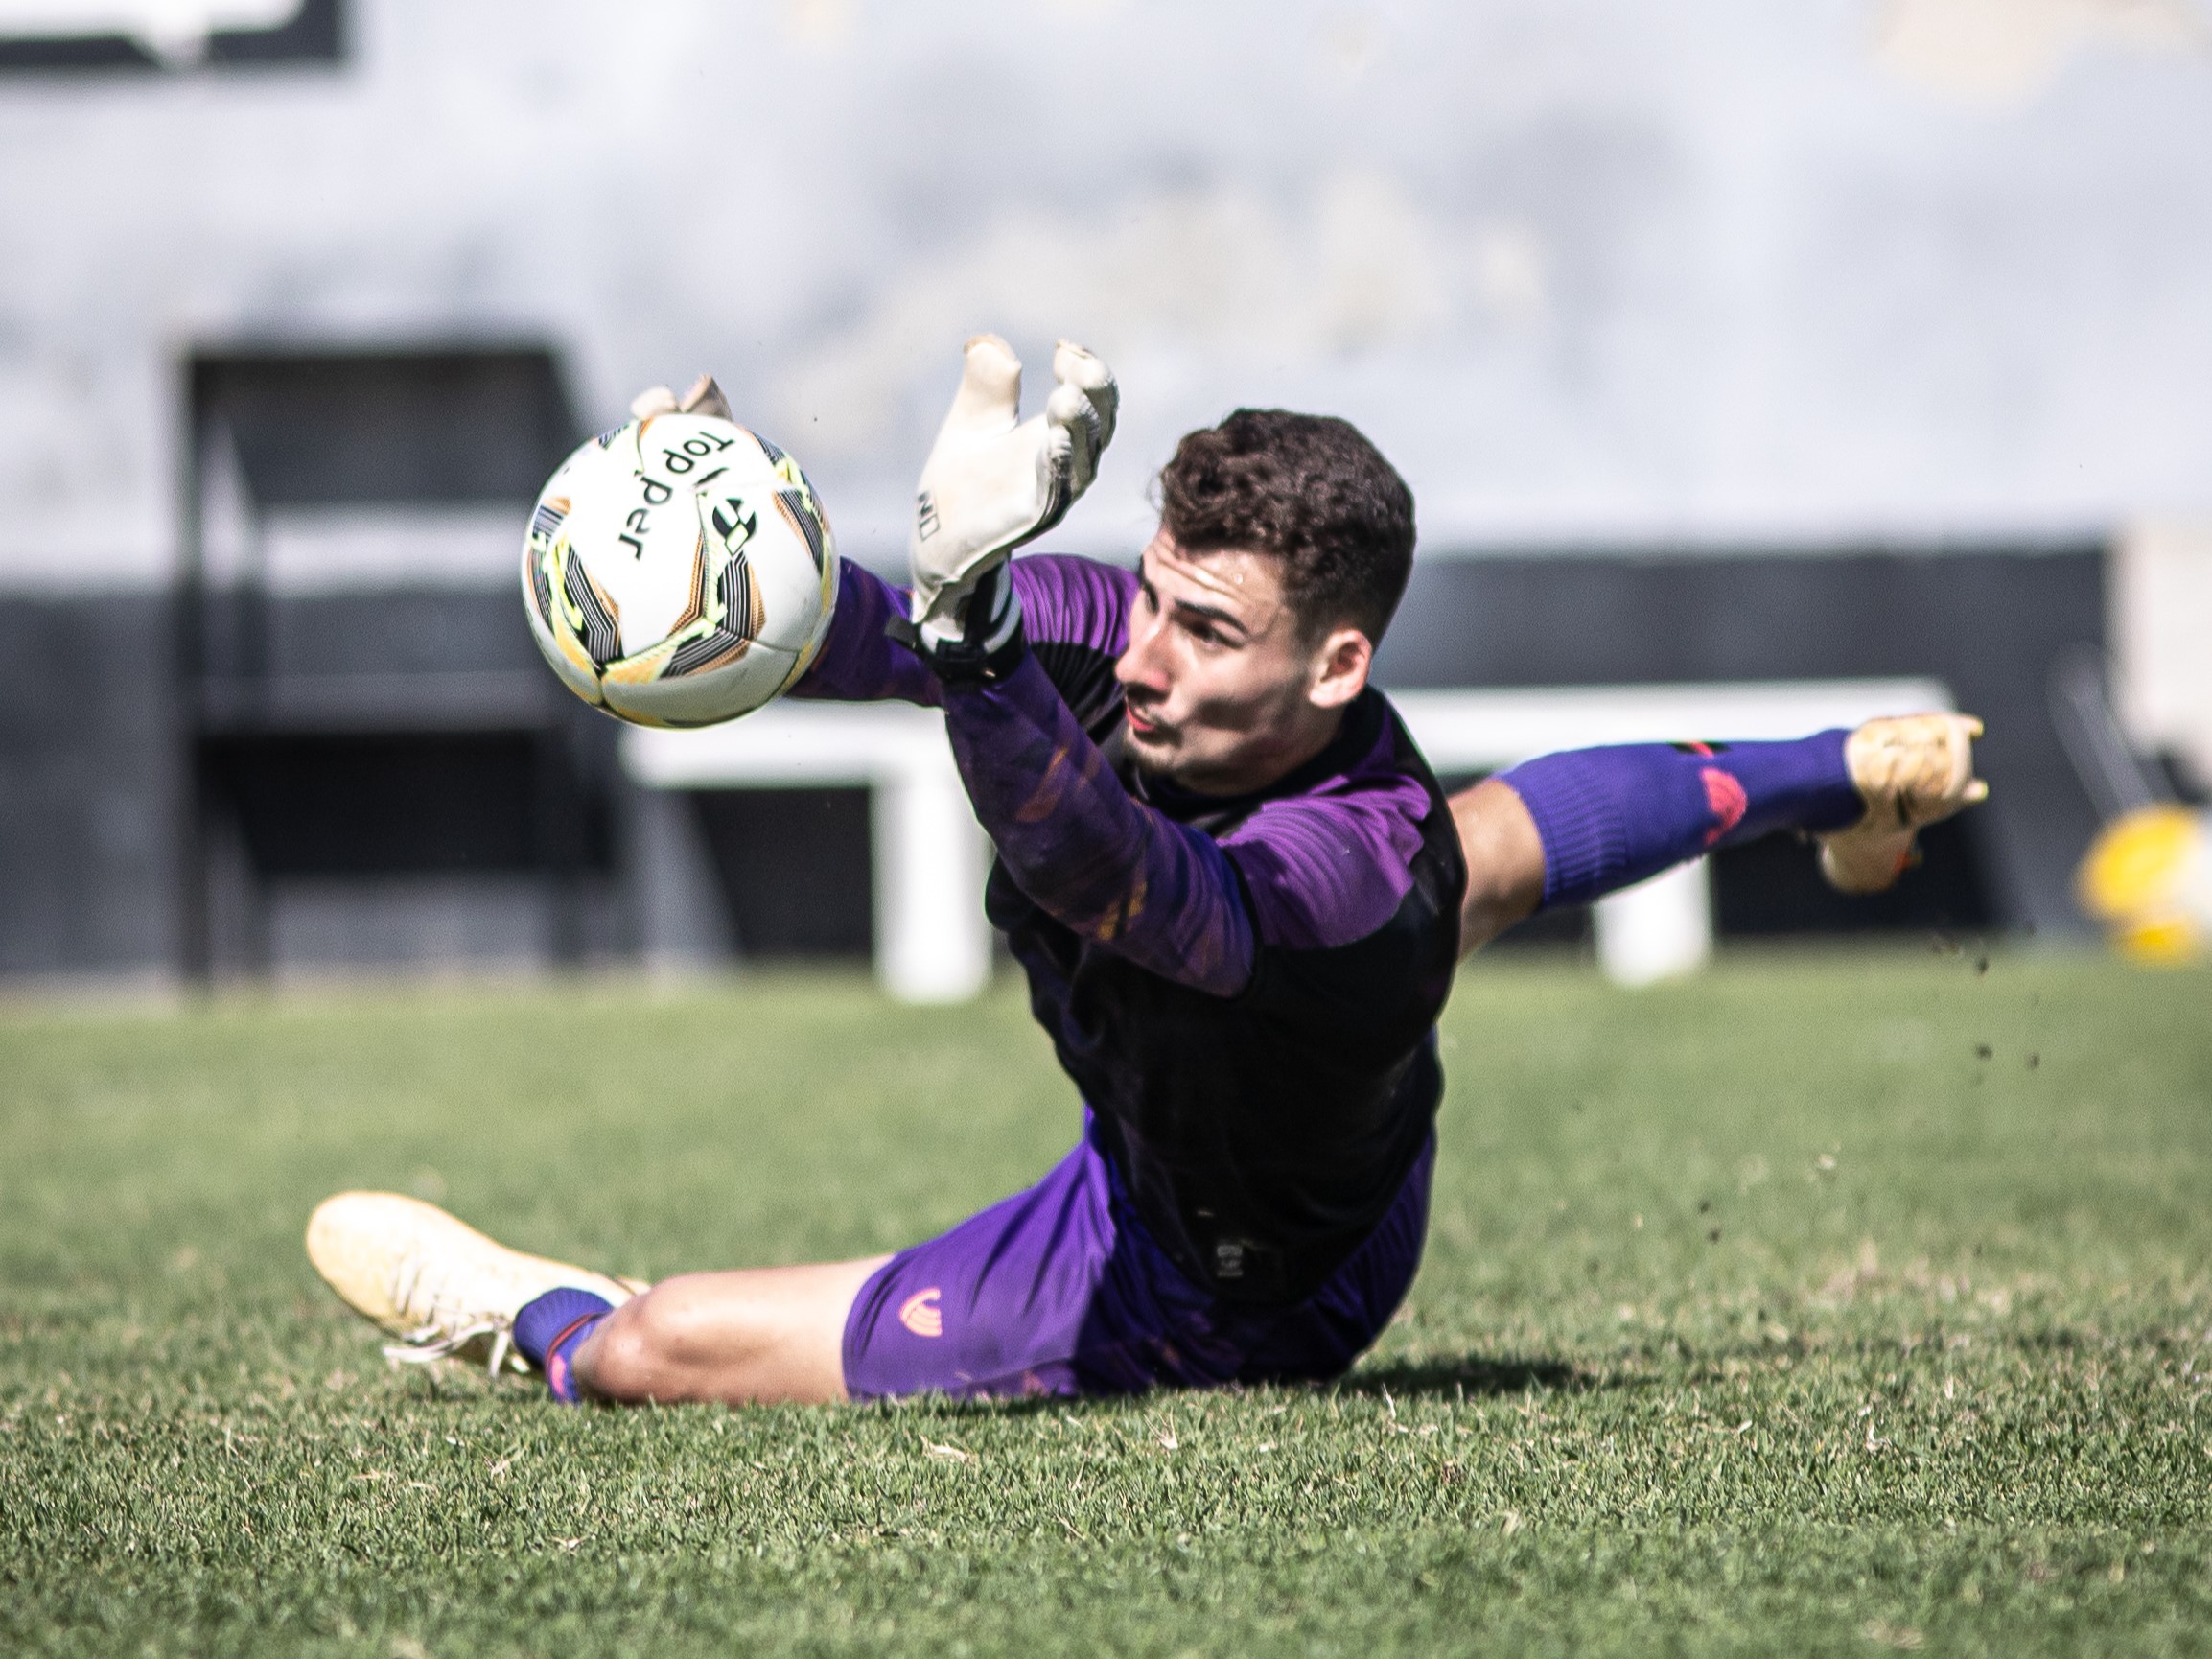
x=1244, y=990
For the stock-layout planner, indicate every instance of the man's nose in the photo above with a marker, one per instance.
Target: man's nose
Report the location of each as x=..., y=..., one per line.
x=1140, y=665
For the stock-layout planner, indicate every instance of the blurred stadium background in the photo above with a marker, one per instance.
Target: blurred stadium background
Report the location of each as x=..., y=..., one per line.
x=1723, y=345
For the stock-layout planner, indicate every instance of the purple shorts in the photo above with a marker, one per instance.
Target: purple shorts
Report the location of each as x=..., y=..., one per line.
x=1060, y=1291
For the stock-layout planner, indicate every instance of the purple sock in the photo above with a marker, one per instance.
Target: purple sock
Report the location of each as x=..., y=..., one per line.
x=1611, y=817
x=550, y=1329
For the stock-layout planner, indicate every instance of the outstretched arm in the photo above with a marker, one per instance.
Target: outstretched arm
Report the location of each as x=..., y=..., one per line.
x=1609, y=817
x=1069, y=834
x=1074, y=840
x=1504, y=861
x=1570, y=828
x=858, y=662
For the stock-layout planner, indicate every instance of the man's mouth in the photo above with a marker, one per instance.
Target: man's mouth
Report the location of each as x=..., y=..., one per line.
x=1142, y=725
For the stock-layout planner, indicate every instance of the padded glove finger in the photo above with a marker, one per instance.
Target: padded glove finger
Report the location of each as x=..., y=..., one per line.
x=704, y=398
x=988, y=400
x=1074, y=366
x=990, y=484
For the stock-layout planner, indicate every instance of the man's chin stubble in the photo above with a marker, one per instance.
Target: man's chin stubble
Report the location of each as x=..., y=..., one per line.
x=1153, y=760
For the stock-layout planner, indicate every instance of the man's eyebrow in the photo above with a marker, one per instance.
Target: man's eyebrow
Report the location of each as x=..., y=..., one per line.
x=1213, y=613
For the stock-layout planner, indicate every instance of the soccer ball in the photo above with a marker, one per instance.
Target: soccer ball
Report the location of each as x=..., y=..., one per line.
x=679, y=571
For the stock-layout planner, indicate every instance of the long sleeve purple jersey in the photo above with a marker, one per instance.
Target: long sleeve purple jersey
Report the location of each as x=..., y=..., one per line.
x=1244, y=990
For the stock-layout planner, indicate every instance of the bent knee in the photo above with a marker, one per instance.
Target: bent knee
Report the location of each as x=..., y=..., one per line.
x=653, y=1345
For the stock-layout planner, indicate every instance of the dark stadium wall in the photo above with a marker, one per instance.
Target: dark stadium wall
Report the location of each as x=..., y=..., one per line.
x=90, y=765
x=408, y=750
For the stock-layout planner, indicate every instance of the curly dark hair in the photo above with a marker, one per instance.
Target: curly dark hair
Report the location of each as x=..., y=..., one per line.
x=1309, y=489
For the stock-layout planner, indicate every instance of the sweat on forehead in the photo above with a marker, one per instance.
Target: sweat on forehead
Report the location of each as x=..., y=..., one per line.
x=1239, y=579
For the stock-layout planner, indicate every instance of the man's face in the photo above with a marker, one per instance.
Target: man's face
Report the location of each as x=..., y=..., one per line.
x=1226, y=693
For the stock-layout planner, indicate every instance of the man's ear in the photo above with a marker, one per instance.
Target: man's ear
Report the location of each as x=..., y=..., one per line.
x=1340, y=667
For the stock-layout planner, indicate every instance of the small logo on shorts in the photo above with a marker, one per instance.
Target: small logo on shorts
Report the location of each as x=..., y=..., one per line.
x=918, y=1313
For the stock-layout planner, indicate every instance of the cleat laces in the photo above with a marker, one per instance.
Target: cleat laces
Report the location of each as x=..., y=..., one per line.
x=420, y=1289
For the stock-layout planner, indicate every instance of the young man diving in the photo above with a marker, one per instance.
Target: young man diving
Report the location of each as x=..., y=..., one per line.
x=1237, y=896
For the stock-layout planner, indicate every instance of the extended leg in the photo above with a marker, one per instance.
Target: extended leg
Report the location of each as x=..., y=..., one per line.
x=759, y=1335
x=443, y=1288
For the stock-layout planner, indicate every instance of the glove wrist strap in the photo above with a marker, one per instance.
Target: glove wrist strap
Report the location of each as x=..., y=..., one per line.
x=990, y=642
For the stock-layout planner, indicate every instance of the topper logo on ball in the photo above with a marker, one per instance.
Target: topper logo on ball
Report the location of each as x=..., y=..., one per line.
x=658, y=492
x=694, y=449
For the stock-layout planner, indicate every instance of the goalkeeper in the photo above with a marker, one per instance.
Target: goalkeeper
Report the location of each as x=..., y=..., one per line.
x=1239, y=896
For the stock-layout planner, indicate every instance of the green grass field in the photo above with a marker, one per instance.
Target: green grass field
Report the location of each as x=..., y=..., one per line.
x=1822, y=1305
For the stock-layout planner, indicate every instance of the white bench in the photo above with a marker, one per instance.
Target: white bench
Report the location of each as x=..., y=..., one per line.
x=932, y=943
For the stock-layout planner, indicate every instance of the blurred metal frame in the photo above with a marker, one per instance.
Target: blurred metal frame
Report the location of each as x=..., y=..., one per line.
x=473, y=423
x=138, y=39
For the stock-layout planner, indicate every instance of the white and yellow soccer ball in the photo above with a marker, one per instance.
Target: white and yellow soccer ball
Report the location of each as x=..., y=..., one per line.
x=679, y=571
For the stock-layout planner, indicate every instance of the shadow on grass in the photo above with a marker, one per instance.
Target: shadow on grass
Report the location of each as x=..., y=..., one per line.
x=1449, y=1378
x=1474, y=1374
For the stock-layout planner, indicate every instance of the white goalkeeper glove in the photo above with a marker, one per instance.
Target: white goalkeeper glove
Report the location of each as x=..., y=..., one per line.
x=990, y=484
x=704, y=398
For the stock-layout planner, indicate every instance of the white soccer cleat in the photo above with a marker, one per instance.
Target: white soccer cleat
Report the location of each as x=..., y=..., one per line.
x=1912, y=770
x=432, y=1281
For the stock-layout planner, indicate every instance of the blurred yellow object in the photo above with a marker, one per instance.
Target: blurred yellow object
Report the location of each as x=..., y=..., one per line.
x=2147, y=877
